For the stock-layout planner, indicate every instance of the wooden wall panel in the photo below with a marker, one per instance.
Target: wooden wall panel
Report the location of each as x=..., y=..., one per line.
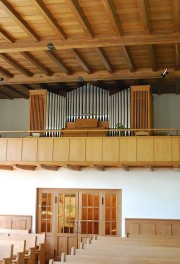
x=29, y=149
x=94, y=149
x=127, y=149
x=21, y=222
x=110, y=149
x=77, y=149
x=162, y=149
x=175, y=149
x=61, y=149
x=150, y=227
x=45, y=149
x=145, y=149
x=3, y=148
x=14, y=149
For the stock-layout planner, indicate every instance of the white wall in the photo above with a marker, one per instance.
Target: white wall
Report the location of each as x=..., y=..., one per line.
x=145, y=194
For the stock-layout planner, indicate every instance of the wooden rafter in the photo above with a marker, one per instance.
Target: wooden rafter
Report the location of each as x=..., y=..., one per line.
x=6, y=95
x=83, y=21
x=49, y=18
x=26, y=167
x=6, y=167
x=104, y=59
x=81, y=60
x=101, y=75
x=144, y=15
x=35, y=62
x=103, y=41
x=177, y=56
x=177, y=85
x=16, y=91
x=16, y=65
x=50, y=167
x=6, y=72
x=152, y=57
x=176, y=10
x=128, y=58
x=28, y=87
x=19, y=20
x=6, y=36
x=111, y=11
x=57, y=60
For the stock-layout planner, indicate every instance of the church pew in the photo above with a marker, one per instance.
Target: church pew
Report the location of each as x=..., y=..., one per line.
x=11, y=231
x=6, y=252
x=18, y=255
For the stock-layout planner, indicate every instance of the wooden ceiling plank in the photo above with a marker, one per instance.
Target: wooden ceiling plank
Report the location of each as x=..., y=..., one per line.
x=6, y=36
x=142, y=5
x=28, y=87
x=152, y=57
x=8, y=8
x=83, y=21
x=128, y=58
x=49, y=18
x=104, y=59
x=35, y=62
x=57, y=60
x=111, y=11
x=6, y=72
x=81, y=60
x=16, y=91
x=176, y=10
x=177, y=56
x=16, y=65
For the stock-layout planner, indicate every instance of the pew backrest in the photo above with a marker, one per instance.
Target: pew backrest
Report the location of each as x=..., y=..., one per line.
x=6, y=251
x=18, y=245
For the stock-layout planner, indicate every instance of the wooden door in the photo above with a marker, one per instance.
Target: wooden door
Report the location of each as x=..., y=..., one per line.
x=71, y=216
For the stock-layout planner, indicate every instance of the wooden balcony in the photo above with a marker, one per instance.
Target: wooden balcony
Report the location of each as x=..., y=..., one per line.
x=98, y=152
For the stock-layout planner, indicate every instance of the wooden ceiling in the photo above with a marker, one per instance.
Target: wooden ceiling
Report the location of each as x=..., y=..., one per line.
x=110, y=43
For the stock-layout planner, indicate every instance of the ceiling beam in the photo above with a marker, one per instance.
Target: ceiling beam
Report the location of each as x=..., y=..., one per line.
x=177, y=56
x=36, y=63
x=5, y=95
x=57, y=60
x=81, y=60
x=113, y=16
x=16, y=91
x=8, y=8
x=83, y=21
x=177, y=85
x=6, y=36
x=142, y=5
x=103, y=41
x=16, y=65
x=104, y=59
x=176, y=10
x=128, y=58
x=98, y=76
x=152, y=57
x=6, y=72
x=49, y=18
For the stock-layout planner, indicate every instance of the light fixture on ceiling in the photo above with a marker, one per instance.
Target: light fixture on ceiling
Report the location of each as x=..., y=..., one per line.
x=80, y=79
x=1, y=79
x=51, y=46
x=163, y=75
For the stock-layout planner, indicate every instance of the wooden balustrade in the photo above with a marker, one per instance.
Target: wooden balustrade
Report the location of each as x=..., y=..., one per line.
x=118, y=151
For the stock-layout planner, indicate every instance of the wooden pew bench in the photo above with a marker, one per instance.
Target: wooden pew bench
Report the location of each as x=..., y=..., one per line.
x=13, y=231
x=18, y=254
x=6, y=252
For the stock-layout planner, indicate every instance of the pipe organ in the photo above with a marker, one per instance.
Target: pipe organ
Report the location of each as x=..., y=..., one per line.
x=54, y=111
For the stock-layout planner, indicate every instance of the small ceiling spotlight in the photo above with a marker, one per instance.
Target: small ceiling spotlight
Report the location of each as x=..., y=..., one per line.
x=80, y=79
x=1, y=79
x=51, y=46
x=163, y=75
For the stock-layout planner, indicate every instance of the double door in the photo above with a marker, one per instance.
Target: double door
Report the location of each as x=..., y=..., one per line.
x=70, y=216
